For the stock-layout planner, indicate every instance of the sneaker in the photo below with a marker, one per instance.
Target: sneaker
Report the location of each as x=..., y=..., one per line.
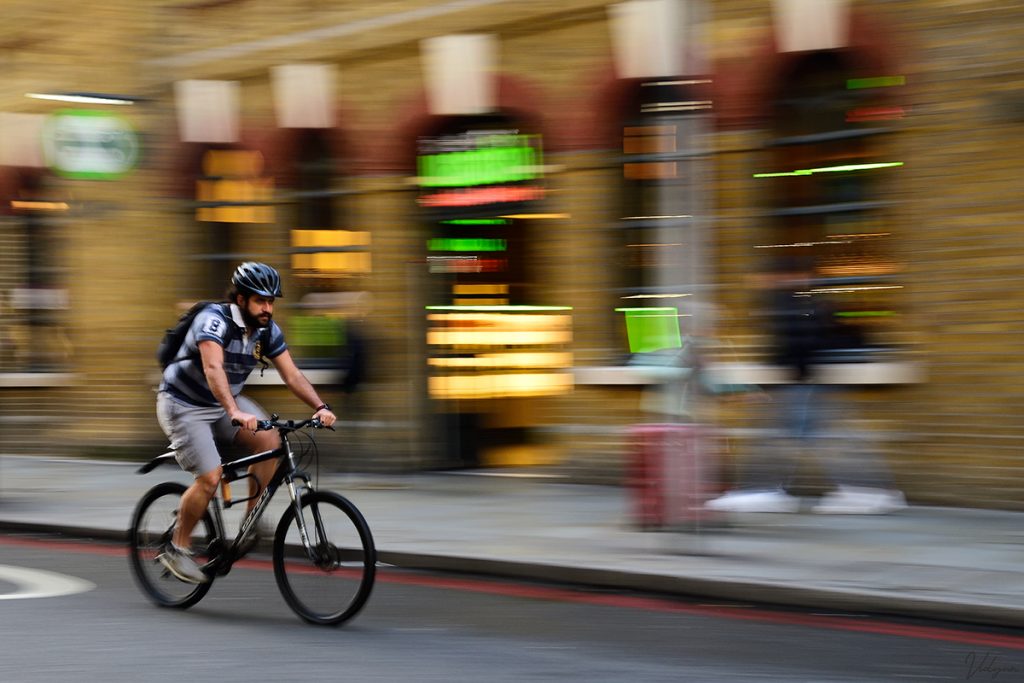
x=856, y=500
x=262, y=533
x=755, y=501
x=180, y=563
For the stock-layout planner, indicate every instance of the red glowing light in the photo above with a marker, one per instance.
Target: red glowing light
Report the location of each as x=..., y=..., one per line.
x=482, y=195
x=449, y=264
x=874, y=114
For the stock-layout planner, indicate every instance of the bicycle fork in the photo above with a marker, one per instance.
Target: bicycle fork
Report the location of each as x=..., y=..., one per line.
x=313, y=550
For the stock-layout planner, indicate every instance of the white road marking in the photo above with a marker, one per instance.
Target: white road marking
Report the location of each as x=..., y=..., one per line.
x=39, y=583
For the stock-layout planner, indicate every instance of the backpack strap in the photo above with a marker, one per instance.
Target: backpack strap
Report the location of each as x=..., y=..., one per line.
x=264, y=337
x=264, y=342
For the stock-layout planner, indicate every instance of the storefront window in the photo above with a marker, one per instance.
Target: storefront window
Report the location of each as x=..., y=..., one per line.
x=826, y=176
x=492, y=350
x=330, y=261
x=663, y=204
x=33, y=297
x=233, y=195
x=478, y=177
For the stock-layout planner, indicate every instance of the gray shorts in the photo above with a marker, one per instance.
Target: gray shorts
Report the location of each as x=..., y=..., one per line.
x=197, y=433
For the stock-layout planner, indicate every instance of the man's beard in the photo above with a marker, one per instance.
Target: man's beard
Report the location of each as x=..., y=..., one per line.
x=253, y=322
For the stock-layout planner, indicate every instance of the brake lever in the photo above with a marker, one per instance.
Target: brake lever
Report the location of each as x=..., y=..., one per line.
x=261, y=425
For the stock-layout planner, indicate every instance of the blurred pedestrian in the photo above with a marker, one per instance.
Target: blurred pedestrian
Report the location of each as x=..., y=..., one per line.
x=803, y=330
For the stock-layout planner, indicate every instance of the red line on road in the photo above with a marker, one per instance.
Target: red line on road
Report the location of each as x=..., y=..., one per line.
x=73, y=546
x=856, y=624
x=517, y=590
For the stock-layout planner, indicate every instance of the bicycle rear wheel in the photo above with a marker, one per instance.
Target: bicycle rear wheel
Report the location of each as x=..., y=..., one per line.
x=152, y=525
x=333, y=586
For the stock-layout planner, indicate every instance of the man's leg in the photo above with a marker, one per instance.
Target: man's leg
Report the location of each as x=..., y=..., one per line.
x=774, y=462
x=261, y=471
x=253, y=442
x=190, y=429
x=193, y=505
x=177, y=557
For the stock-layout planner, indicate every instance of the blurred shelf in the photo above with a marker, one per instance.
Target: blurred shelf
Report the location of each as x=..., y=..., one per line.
x=37, y=379
x=828, y=136
x=653, y=222
x=627, y=375
x=819, y=209
x=883, y=372
x=316, y=376
x=877, y=373
x=682, y=155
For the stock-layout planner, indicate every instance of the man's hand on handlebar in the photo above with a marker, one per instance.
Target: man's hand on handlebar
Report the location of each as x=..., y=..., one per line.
x=289, y=426
x=244, y=420
x=326, y=417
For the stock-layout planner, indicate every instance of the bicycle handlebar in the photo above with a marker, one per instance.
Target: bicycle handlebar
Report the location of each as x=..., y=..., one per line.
x=287, y=425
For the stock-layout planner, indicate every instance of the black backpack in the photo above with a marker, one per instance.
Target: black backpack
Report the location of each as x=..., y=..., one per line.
x=174, y=337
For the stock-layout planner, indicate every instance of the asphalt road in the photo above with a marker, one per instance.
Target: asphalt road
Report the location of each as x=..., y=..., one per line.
x=77, y=615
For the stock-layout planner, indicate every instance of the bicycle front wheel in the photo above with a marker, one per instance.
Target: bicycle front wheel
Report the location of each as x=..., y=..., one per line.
x=152, y=526
x=333, y=585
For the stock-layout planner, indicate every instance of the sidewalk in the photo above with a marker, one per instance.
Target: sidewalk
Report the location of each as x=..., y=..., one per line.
x=950, y=563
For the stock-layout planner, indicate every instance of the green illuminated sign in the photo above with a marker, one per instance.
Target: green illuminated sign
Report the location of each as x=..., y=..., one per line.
x=876, y=82
x=466, y=244
x=477, y=221
x=513, y=159
x=89, y=144
x=652, y=329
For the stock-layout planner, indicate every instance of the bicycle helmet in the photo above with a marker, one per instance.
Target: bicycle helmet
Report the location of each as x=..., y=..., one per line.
x=257, y=278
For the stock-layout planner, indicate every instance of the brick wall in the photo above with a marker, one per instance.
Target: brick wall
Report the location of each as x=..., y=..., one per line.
x=956, y=439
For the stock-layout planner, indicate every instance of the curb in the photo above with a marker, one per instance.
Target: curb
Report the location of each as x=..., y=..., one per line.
x=81, y=533
x=769, y=594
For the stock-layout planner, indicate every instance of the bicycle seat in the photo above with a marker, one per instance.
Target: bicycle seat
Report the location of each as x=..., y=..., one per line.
x=164, y=459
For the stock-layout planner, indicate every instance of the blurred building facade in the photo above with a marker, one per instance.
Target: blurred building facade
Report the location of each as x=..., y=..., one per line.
x=503, y=202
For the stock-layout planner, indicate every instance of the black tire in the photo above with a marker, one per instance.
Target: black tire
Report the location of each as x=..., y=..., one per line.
x=152, y=525
x=332, y=588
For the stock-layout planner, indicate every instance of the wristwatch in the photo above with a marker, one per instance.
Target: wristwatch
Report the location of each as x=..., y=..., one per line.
x=322, y=406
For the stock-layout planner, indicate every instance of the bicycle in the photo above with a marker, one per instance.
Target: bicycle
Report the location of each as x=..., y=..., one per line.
x=322, y=545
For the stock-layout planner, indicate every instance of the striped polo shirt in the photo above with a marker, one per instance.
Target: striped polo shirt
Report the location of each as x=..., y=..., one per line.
x=221, y=323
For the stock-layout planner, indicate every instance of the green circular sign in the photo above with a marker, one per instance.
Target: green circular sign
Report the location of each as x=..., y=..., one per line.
x=89, y=144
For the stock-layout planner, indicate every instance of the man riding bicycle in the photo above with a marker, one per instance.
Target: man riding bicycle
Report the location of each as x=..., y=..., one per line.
x=199, y=403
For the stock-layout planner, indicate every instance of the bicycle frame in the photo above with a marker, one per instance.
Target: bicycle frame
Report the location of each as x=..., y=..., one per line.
x=287, y=472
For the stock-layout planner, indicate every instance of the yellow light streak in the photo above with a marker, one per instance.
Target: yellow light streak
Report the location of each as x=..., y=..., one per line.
x=507, y=361
x=38, y=206
x=495, y=386
x=481, y=302
x=500, y=321
x=482, y=338
x=480, y=289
